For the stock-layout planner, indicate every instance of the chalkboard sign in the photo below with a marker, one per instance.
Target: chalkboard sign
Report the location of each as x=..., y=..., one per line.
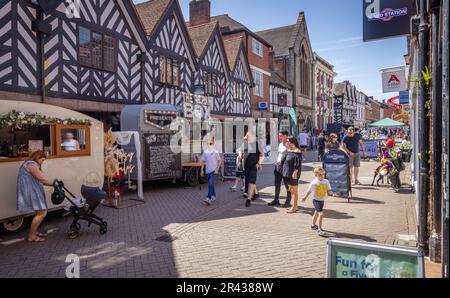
x=336, y=166
x=161, y=162
x=229, y=165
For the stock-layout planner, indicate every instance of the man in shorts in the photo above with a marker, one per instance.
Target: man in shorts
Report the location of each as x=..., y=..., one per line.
x=350, y=144
x=303, y=140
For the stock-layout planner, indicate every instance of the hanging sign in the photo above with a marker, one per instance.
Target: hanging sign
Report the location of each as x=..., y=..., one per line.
x=394, y=79
x=387, y=18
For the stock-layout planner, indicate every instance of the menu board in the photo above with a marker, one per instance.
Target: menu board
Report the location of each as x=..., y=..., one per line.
x=229, y=165
x=336, y=168
x=161, y=162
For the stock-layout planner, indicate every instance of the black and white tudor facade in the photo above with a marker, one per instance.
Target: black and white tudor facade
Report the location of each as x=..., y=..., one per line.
x=105, y=54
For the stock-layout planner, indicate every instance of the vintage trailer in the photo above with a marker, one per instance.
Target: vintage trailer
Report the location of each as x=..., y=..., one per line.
x=75, y=166
x=153, y=122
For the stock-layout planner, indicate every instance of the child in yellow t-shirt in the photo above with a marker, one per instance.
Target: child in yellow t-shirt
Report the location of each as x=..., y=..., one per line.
x=320, y=189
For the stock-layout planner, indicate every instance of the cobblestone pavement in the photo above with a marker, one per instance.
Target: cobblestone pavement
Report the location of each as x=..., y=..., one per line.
x=224, y=240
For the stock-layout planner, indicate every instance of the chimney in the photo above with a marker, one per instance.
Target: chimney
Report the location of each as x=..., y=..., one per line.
x=199, y=12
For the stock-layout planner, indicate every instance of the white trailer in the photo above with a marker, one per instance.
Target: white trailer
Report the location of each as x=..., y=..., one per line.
x=75, y=168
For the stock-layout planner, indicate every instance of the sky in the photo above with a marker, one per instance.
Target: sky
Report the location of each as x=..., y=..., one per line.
x=335, y=30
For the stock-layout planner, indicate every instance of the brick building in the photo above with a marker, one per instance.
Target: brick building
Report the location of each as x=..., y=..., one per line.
x=323, y=92
x=294, y=63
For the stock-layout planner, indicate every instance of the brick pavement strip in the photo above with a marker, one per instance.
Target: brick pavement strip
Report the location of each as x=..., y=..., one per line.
x=224, y=240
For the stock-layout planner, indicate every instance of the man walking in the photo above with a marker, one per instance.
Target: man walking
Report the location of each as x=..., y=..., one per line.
x=350, y=144
x=303, y=140
x=283, y=138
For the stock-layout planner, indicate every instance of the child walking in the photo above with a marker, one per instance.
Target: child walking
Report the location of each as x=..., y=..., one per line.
x=239, y=173
x=211, y=163
x=320, y=189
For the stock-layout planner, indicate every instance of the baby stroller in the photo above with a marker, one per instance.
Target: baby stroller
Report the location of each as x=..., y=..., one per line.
x=80, y=209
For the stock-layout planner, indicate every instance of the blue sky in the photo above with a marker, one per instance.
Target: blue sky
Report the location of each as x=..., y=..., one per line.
x=335, y=30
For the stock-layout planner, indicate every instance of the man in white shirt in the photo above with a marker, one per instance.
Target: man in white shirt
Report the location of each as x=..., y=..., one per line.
x=282, y=148
x=303, y=139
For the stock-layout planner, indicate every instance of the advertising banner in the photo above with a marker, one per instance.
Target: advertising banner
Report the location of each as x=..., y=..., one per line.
x=394, y=79
x=387, y=18
x=352, y=259
x=371, y=150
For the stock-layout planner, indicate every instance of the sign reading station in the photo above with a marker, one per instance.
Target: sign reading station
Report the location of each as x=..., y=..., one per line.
x=387, y=18
x=352, y=259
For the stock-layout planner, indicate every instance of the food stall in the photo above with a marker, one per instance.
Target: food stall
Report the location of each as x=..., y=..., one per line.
x=72, y=142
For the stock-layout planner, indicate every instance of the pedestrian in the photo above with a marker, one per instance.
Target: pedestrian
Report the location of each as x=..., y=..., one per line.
x=320, y=189
x=350, y=144
x=304, y=140
x=333, y=143
x=291, y=170
x=253, y=158
x=239, y=173
x=30, y=193
x=242, y=151
x=211, y=163
x=282, y=148
x=321, y=142
x=390, y=143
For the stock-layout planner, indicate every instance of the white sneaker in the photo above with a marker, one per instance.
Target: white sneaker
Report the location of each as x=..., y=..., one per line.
x=320, y=233
x=243, y=188
x=233, y=188
x=213, y=199
x=207, y=201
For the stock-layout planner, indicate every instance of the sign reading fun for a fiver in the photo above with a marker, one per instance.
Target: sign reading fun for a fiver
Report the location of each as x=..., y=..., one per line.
x=352, y=259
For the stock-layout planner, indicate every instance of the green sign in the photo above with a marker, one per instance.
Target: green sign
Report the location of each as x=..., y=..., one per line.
x=351, y=259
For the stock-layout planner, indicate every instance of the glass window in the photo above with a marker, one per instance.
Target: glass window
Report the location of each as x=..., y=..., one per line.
x=72, y=140
x=169, y=74
x=162, y=69
x=258, y=90
x=258, y=48
x=96, y=50
x=176, y=73
x=84, y=55
x=169, y=71
x=109, y=53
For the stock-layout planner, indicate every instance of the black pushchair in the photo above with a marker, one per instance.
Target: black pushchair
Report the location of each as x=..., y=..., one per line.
x=82, y=210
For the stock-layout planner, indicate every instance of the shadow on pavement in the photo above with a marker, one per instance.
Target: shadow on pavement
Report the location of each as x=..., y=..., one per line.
x=328, y=213
x=358, y=200
x=350, y=236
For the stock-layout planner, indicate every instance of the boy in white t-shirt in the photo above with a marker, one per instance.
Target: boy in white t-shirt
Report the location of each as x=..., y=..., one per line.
x=320, y=189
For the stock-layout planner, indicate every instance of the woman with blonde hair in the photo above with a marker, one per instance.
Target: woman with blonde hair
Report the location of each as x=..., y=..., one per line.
x=30, y=193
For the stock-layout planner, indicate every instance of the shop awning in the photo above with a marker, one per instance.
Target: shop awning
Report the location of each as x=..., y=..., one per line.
x=387, y=123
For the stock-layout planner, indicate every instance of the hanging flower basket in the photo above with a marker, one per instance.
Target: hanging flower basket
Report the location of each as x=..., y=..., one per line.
x=19, y=120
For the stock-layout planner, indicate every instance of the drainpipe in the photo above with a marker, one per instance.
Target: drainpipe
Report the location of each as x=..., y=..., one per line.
x=142, y=58
x=445, y=139
x=435, y=239
x=41, y=28
x=423, y=131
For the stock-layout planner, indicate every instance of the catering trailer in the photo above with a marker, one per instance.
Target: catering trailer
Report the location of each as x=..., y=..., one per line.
x=26, y=127
x=155, y=125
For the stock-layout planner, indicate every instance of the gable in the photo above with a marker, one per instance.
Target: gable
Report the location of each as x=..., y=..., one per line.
x=171, y=34
x=215, y=56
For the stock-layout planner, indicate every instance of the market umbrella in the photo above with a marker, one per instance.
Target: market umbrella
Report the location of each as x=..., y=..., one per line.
x=387, y=123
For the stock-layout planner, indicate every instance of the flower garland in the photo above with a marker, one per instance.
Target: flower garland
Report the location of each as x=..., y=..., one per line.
x=19, y=119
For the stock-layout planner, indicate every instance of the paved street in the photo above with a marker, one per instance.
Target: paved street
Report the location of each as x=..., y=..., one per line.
x=225, y=240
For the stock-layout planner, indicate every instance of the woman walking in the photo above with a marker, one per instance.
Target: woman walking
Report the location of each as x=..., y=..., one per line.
x=291, y=170
x=30, y=193
x=333, y=143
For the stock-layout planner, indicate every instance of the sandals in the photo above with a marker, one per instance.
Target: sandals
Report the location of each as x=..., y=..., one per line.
x=41, y=235
x=37, y=239
x=290, y=211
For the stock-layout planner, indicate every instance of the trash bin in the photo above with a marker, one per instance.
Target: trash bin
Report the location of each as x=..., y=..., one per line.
x=406, y=155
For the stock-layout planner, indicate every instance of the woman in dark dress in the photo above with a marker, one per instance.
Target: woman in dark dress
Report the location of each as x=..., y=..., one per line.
x=291, y=166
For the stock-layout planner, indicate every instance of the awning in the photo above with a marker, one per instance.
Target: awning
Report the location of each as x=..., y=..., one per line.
x=387, y=123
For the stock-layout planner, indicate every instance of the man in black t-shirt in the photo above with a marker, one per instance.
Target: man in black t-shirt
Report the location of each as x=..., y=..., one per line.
x=351, y=143
x=253, y=158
